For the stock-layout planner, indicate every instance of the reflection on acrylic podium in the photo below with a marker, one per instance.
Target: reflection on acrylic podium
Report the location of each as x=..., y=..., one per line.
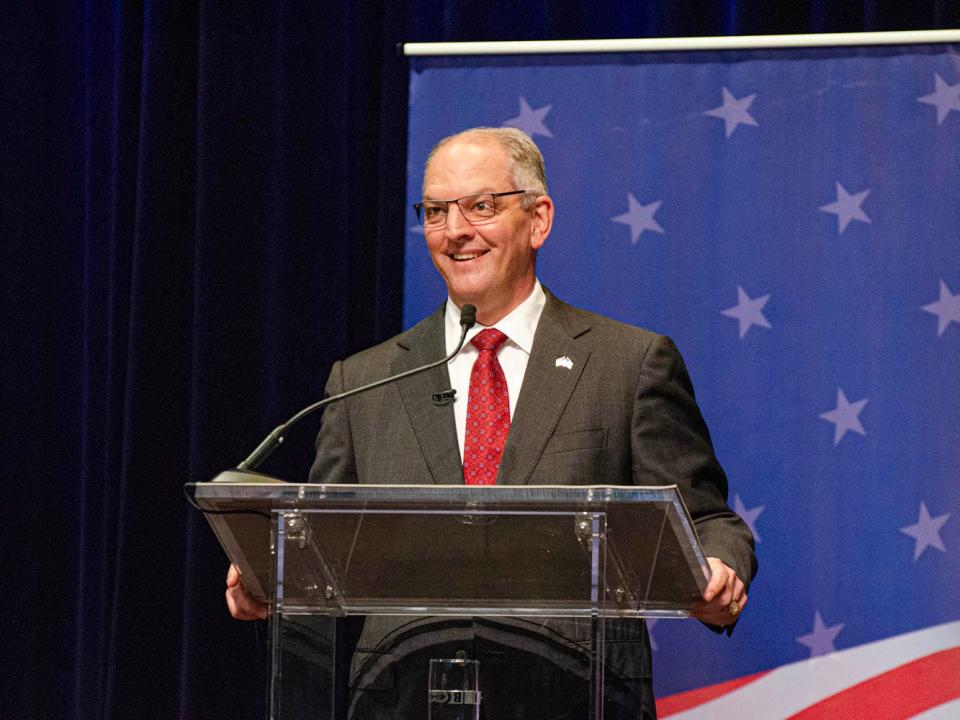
x=541, y=589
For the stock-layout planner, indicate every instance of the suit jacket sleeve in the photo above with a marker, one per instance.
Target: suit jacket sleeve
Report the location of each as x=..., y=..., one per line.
x=671, y=445
x=334, y=461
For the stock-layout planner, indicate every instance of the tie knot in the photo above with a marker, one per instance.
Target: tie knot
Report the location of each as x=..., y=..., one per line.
x=489, y=339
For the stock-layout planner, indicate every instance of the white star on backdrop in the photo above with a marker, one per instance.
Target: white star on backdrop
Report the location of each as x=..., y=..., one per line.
x=416, y=80
x=820, y=639
x=947, y=308
x=926, y=531
x=749, y=516
x=747, y=311
x=530, y=120
x=945, y=98
x=955, y=56
x=846, y=416
x=847, y=207
x=734, y=111
x=639, y=217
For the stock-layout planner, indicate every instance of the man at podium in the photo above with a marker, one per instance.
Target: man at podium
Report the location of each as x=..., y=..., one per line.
x=541, y=393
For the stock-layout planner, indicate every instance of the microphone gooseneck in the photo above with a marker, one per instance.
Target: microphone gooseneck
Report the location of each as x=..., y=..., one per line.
x=468, y=318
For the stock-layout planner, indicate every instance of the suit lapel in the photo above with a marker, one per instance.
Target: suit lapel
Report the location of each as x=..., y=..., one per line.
x=434, y=426
x=547, y=386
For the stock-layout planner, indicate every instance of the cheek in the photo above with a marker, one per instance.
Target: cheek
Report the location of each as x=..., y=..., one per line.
x=434, y=244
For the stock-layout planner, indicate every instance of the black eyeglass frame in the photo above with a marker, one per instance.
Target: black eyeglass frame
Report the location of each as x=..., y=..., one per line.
x=418, y=207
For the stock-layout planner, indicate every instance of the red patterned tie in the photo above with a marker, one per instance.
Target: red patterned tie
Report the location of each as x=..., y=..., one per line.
x=488, y=412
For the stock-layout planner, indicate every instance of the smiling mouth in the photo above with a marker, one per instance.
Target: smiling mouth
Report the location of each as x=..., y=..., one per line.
x=466, y=257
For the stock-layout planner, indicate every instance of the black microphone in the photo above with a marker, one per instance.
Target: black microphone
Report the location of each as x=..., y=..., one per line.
x=468, y=318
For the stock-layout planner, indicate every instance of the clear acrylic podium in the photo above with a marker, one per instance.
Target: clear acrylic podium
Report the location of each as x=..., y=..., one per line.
x=529, y=575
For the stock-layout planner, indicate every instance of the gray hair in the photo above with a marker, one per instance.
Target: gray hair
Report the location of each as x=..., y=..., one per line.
x=526, y=160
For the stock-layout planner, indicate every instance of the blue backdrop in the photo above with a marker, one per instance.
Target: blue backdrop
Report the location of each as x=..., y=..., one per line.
x=200, y=211
x=791, y=219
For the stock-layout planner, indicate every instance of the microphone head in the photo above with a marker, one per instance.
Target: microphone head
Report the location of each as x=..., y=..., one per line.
x=468, y=316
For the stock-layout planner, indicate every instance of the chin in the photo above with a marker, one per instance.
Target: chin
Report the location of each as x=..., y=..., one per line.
x=471, y=292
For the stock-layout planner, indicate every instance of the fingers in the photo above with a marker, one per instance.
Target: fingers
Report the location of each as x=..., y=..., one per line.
x=720, y=588
x=724, y=597
x=233, y=576
x=740, y=594
x=241, y=604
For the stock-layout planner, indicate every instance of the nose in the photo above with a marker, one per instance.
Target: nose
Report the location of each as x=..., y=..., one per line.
x=457, y=225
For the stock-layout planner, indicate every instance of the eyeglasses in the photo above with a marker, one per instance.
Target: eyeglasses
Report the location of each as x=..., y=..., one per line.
x=476, y=208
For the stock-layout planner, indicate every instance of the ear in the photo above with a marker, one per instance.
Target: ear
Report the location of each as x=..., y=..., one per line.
x=541, y=221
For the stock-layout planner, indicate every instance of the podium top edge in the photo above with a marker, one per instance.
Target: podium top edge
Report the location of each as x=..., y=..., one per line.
x=254, y=486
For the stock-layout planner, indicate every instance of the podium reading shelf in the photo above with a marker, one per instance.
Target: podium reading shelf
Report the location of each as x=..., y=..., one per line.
x=551, y=565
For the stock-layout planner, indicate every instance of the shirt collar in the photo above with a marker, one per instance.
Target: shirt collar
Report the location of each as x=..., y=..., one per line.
x=520, y=325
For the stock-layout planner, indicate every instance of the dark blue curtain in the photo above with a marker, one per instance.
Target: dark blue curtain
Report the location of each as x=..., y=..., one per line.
x=201, y=207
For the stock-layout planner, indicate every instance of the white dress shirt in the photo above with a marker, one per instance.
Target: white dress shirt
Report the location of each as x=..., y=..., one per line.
x=519, y=327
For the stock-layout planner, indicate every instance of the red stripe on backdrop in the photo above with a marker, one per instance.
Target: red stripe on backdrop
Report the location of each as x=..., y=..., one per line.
x=898, y=693
x=673, y=704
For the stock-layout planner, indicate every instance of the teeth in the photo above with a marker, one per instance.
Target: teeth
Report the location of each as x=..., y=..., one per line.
x=466, y=257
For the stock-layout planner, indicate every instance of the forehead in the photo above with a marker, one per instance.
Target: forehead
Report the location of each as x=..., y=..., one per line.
x=468, y=165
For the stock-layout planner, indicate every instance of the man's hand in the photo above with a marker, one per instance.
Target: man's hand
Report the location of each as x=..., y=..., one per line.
x=242, y=605
x=724, y=598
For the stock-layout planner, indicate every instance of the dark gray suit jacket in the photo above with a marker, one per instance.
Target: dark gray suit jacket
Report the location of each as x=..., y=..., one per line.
x=623, y=414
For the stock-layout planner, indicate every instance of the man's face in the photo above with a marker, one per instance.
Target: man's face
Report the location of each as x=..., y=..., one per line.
x=490, y=265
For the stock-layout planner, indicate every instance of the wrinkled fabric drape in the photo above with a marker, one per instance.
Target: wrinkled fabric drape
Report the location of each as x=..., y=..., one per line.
x=201, y=208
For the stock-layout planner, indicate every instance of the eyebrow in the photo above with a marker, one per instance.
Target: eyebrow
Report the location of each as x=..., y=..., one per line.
x=475, y=192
